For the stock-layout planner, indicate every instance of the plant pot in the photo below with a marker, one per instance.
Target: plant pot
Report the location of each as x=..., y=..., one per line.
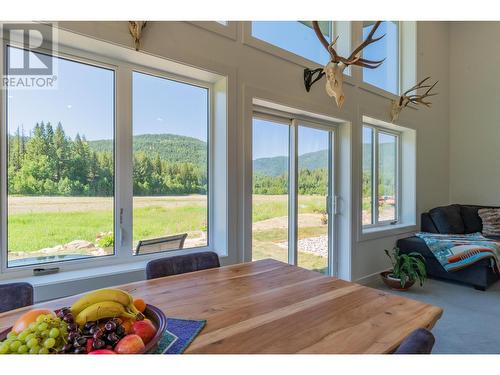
x=393, y=282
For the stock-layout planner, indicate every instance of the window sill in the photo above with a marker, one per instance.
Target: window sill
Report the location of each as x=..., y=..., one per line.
x=385, y=231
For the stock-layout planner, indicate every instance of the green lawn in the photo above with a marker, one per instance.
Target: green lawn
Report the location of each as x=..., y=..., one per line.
x=29, y=230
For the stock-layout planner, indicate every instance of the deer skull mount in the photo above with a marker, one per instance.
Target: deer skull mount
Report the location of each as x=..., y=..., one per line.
x=334, y=70
x=135, y=28
x=407, y=98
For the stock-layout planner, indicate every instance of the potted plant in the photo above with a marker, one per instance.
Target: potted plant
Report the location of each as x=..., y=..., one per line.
x=406, y=269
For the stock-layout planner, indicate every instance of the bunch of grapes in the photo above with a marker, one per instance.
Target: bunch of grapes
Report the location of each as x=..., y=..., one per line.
x=43, y=336
x=92, y=336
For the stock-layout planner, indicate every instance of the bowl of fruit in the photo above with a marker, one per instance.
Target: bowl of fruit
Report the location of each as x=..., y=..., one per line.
x=105, y=321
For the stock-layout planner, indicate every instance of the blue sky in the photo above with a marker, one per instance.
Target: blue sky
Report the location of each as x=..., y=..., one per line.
x=83, y=100
x=83, y=103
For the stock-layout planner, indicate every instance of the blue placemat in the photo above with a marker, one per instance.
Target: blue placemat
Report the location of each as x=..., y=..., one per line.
x=179, y=334
x=185, y=331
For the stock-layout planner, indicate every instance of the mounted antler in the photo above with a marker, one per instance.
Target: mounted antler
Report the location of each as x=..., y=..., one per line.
x=135, y=28
x=334, y=70
x=406, y=98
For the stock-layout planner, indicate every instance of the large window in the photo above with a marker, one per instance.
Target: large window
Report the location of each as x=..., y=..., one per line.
x=292, y=192
x=299, y=38
x=170, y=164
x=380, y=181
x=60, y=161
x=386, y=76
x=78, y=185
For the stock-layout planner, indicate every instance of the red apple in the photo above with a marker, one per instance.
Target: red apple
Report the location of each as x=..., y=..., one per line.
x=130, y=344
x=102, y=351
x=144, y=329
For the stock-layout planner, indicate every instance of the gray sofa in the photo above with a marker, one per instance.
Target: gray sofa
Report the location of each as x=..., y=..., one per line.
x=452, y=219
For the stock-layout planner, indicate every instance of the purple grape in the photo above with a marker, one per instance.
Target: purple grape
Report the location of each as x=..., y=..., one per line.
x=88, y=326
x=112, y=338
x=72, y=336
x=110, y=326
x=98, y=333
x=120, y=331
x=80, y=350
x=67, y=348
x=68, y=318
x=98, y=344
x=73, y=327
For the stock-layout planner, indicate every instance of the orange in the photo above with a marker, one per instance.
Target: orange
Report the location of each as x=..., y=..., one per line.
x=140, y=304
x=27, y=318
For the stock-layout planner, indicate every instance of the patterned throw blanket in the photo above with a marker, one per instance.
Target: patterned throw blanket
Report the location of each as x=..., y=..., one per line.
x=456, y=251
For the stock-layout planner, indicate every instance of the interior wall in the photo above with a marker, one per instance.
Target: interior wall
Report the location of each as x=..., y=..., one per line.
x=474, y=113
x=190, y=44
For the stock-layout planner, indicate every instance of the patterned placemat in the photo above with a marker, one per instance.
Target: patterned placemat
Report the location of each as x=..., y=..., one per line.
x=185, y=330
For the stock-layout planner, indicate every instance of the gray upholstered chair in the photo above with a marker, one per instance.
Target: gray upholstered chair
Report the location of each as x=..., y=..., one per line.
x=419, y=341
x=181, y=264
x=15, y=295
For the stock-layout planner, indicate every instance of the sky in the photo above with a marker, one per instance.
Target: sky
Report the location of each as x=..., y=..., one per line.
x=84, y=102
x=84, y=98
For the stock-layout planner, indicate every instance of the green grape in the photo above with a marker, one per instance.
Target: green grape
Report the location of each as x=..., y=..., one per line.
x=29, y=337
x=11, y=335
x=54, y=332
x=33, y=342
x=23, y=349
x=32, y=326
x=22, y=336
x=34, y=350
x=43, y=351
x=42, y=327
x=40, y=318
x=49, y=343
x=14, y=345
x=4, y=348
x=45, y=333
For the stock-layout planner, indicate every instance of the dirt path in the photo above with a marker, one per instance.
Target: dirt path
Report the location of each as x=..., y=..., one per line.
x=305, y=220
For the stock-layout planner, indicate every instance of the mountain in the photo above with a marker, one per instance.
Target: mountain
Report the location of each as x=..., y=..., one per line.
x=172, y=148
x=276, y=166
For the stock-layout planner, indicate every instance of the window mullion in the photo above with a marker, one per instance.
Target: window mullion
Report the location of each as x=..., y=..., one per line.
x=293, y=193
x=123, y=160
x=375, y=176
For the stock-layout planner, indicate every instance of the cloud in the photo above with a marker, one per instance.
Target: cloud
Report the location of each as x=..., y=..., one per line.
x=159, y=119
x=69, y=106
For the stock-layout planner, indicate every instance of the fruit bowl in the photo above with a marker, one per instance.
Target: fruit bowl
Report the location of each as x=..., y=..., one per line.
x=154, y=314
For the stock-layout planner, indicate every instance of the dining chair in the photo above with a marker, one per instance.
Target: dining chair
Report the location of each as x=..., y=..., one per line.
x=15, y=295
x=181, y=264
x=419, y=341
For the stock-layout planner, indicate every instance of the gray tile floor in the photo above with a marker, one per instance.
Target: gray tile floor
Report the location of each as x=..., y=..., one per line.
x=471, y=318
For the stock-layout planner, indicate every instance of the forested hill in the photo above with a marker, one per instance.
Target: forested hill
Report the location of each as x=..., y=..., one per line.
x=276, y=166
x=171, y=148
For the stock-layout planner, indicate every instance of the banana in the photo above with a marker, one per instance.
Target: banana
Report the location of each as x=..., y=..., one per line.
x=102, y=310
x=102, y=295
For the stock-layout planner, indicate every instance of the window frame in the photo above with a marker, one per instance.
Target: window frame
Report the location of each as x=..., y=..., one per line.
x=294, y=121
x=123, y=183
x=250, y=40
x=376, y=223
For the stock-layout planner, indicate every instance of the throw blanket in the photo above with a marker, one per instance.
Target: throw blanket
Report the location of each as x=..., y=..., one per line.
x=456, y=251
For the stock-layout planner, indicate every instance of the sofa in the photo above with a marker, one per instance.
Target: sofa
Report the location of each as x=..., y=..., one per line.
x=452, y=219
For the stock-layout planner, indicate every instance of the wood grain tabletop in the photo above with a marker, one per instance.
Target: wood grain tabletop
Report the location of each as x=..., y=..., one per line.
x=272, y=307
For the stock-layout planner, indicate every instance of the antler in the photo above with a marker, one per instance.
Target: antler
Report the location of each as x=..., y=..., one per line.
x=355, y=57
x=406, y=99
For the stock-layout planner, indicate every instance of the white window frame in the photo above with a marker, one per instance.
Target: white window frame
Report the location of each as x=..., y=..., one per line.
x=376, y=223
x=123, y=195
x=272, y=49
x=294, y=121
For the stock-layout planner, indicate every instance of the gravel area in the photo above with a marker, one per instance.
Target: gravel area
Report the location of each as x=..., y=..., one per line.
x=313, y=245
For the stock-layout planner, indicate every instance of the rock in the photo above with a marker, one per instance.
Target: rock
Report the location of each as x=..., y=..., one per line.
x=51, y=250
x=78, y=245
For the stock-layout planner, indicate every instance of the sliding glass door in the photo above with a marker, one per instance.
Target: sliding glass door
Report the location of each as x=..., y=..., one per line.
x=293, y=192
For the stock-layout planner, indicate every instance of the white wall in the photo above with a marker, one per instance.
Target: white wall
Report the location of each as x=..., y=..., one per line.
x=281, y=81
x=474, y=113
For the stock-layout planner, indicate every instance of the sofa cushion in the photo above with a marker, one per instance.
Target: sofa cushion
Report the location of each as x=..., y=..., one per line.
x=472, y=221
x=447, y=219
x=491, y=221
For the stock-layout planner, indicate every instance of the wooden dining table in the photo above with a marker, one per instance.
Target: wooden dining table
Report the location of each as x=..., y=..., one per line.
x=272, y=307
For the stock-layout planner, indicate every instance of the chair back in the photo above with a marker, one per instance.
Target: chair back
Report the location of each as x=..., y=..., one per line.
x=15, y=295
x=181, y=264
x=156, y=245
x=419, y=341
